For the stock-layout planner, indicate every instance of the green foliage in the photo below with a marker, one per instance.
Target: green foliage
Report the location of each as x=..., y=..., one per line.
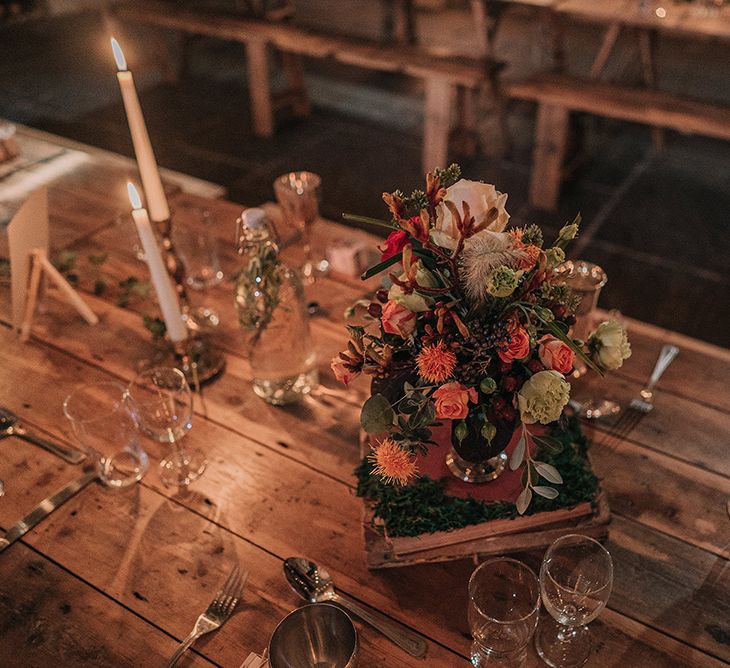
x=448, y=176
x=132, y=289
x=156, y=326
x=424, y=506
x=377, y=415
x=532, y=234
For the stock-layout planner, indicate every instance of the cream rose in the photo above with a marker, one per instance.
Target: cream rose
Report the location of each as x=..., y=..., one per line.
x=481, y=197
x=414, y=301
x=543, y=397
x=610, y=345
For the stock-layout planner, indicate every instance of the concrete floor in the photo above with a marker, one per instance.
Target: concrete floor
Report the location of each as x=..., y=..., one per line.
x=658, y=224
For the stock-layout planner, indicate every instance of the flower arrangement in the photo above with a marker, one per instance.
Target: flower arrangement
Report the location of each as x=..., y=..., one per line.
x=473, y=331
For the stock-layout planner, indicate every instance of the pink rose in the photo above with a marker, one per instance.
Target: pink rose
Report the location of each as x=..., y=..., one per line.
x=342, y=373
x=394, y=244
x=397, y=319
x=555, y=354
x=452, y=401
x=518, y=347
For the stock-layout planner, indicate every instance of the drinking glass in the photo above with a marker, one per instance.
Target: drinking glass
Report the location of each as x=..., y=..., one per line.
x=195, y=241
x=504, y=602
x=106, y=429
x=586, y=280
x=163, y=403
x=298, y=194
x=575, y=581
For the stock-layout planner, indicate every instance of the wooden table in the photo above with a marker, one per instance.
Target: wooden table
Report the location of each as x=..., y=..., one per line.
x=117, y=578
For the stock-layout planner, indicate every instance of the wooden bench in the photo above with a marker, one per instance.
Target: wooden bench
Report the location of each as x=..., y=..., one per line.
x=442, y=77
x=558, y=95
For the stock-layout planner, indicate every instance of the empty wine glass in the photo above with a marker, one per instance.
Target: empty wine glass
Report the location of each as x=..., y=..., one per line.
x=586, y=280
x=298, y=194
x=198, y=249
x=106, y=430
x=162, y=400
x=575, y=581
x=504, y=602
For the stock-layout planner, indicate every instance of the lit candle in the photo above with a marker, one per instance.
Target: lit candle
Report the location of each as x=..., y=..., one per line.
x=166, y=295
x=156, y=200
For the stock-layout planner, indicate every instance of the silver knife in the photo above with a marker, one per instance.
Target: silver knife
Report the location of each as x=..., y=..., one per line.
x=45, y=508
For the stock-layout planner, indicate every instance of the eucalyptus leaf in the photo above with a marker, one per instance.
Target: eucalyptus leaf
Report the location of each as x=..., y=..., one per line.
x=376, y=269
x=552, y=445
x=549, y=472
x=368, y=221
x=519, y=453
x=523, y=500
x=547, y=492
x=377, y=415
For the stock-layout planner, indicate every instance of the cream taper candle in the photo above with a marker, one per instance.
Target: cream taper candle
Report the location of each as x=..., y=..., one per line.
x=148, y=171
x=169, y=305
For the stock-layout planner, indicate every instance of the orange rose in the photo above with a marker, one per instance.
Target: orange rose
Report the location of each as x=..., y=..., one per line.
x=452, y=401
x=397, y=319
x=555, y=354
x=518, y=347
x=342, y=373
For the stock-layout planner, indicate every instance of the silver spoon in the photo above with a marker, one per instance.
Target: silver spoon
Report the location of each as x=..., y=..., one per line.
x=315, y=585
x=9, y=427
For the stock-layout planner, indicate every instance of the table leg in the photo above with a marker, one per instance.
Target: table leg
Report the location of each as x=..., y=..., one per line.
x=259, y=88
x=436, y=122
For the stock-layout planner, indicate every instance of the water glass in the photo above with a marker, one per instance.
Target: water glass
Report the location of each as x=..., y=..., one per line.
x=198, y=247
x=298, y=195
x=163, y=403
x=575, y=581
x=504, y=603
x=106, y=429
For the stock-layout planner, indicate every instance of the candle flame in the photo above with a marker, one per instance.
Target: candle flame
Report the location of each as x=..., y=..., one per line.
x=119, y=56
x=134, y=196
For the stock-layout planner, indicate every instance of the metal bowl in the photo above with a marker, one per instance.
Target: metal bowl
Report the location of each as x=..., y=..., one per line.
x=319, y=635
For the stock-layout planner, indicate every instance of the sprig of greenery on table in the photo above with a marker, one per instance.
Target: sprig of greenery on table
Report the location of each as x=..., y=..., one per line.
x=425, y=507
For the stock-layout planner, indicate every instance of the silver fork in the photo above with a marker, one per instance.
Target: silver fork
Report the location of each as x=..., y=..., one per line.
x=217, y=614
x=644, y=403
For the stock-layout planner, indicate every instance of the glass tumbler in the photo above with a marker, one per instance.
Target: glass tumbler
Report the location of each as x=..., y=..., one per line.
x=298, y=195
x=575, y=581
x=106, y=430
x=163, y=403
x=504, y=603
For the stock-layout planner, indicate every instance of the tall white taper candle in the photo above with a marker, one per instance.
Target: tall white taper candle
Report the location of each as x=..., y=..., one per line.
x=148, y=171
x=166, y=295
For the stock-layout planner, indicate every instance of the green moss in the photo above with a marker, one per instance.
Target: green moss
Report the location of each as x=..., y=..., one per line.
x=424, y=507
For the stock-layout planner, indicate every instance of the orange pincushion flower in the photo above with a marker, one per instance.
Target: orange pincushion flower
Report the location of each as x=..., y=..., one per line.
x=393, y=464
x=531, y=257
x=436, y=363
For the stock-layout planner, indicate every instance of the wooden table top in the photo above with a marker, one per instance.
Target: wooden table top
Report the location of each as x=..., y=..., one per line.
x=116, y=578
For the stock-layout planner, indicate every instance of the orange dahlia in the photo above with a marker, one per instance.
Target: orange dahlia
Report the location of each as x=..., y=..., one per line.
x=393, y=464
x=436, y=363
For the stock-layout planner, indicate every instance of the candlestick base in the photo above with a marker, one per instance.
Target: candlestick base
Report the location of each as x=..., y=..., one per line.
x=200, y=361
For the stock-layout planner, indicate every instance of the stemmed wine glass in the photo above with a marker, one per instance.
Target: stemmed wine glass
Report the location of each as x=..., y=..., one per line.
x=162, y=400
x=298, y=194
x=575, y=581
x=504, y=604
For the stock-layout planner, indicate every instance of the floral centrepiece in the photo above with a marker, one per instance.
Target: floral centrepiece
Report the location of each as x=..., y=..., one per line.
x=474, y=331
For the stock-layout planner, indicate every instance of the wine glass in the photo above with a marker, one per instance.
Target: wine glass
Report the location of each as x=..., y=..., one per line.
x=298, y=194
x=106, y=430
x=198, y=249
x=586, y=280
x=575, y=581
x=504, y=603
x=162, y=400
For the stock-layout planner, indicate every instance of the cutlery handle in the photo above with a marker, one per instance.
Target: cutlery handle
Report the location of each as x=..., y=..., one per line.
x=397, y=632
x=71, y=455
x=184, y=645
x=666, y=356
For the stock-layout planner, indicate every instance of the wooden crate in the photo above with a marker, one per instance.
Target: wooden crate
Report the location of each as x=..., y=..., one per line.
x=502, y=536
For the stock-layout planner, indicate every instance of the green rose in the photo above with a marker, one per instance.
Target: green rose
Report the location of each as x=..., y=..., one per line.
x=415, y=302
x=503, y=281
x=543, y=397
x=555, y=256
x=609, y=345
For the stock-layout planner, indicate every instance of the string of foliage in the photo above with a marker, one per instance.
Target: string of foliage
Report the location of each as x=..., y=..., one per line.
x=424, y=506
